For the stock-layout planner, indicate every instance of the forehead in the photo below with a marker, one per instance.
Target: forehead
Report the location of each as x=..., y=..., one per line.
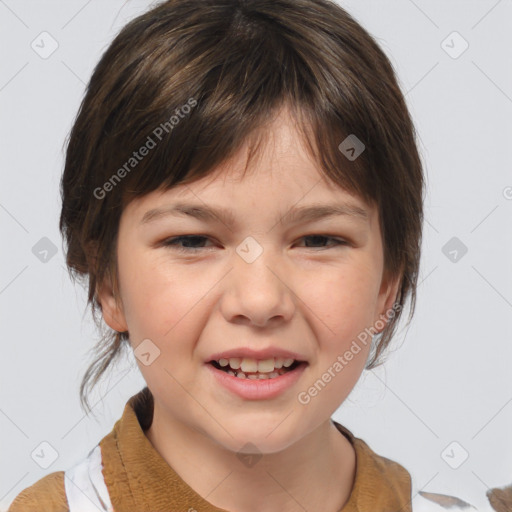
x=280, y=175
x=241, y=204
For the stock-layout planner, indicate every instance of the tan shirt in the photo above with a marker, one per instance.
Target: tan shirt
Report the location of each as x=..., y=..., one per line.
x=139, y=479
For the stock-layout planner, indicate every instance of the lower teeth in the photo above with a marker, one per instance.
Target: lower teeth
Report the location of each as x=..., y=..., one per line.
x=257, y=376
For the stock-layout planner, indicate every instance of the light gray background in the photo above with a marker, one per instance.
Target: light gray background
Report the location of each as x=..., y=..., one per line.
x=449, y=379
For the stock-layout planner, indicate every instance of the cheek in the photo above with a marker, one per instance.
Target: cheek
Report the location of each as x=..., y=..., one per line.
x=159, y=302
x=342, y=302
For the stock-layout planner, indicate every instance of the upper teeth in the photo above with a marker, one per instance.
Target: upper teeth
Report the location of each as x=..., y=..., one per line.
x=254, y=365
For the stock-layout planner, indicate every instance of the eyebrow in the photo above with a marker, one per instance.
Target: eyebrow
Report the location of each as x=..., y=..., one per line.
x=205, y=213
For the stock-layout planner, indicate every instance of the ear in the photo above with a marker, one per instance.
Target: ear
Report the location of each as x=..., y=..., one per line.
x=387, y=297
x=111, y=307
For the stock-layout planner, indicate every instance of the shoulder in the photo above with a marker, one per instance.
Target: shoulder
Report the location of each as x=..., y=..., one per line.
x=46, y=494
x=380, y=483
x=385, y=470
x=386, y=484
x=374, y=464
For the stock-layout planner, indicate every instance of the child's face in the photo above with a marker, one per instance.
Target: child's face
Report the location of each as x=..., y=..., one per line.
x=304, y=295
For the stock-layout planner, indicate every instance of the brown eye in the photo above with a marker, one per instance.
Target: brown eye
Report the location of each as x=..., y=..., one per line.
x=190, y=243
x=319, y=239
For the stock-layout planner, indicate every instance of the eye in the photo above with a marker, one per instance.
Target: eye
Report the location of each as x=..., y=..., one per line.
x=189, y=240
x=320, y=238
x=192, y=241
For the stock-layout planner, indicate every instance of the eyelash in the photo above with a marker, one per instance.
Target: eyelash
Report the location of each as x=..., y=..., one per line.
x=172, y=242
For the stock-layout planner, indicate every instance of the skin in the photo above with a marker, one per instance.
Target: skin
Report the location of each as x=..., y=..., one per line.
x=306, y=295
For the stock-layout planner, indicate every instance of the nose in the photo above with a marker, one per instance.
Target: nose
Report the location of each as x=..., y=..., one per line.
x=259, y=292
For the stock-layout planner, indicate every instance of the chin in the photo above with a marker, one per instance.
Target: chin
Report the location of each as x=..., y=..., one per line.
x=255, y=437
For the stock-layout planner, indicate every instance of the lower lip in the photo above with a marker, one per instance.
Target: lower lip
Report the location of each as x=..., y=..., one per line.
x=258, y=389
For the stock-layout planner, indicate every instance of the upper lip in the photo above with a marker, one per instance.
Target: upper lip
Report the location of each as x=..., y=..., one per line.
x=267, y=353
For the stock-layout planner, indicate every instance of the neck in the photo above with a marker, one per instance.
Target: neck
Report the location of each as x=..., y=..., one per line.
x=319, y=468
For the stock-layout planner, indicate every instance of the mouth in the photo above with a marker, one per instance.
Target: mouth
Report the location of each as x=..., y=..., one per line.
x=253, y=369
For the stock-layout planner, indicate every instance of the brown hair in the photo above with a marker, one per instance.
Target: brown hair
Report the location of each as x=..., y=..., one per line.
x=202, y=77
